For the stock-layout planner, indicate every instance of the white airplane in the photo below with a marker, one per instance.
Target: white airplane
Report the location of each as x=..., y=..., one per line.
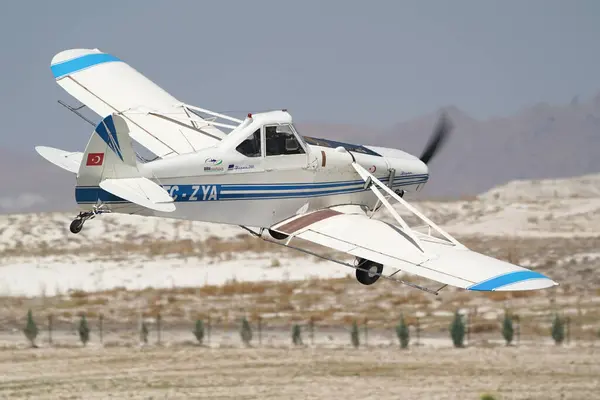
x=261, y=174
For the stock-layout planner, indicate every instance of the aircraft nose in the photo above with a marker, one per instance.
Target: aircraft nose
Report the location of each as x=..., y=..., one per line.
x=402, y=161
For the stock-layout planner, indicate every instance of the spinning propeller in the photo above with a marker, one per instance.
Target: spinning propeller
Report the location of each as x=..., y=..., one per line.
x=440, y=134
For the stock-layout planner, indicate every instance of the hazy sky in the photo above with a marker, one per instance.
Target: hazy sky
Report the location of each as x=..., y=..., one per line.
x=375, y=62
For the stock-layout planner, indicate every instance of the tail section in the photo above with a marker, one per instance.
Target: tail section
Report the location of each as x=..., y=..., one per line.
x=109, y=153
x=109, y=172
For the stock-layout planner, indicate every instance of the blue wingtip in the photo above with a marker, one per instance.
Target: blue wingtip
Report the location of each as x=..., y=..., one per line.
x=509, y=279
x=77, y=64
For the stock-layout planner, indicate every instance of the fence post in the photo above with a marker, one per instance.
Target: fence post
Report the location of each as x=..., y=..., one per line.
x=517, y=319
x=208, y=329
x=311, y=330
x=50, y=329
x=418, y=328
x=468, y=328
x=568, y=321
x=101, y=328
x=259, y=330
x=158, y=327
x=365, y=321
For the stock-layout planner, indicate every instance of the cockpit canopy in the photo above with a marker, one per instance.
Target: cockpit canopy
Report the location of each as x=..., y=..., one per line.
x=280, y=139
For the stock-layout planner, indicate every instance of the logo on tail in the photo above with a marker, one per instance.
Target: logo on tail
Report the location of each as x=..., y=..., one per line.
x=106, y=130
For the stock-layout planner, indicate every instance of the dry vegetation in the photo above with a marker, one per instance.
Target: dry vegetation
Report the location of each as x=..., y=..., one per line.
x=328, y=302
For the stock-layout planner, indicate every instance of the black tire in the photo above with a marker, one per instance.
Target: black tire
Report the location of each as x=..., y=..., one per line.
x=368, y=277
x=76, y=226
x=278, y=235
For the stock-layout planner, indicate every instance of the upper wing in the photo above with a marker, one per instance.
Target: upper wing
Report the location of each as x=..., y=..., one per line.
x=355, y=233
x=107, y=85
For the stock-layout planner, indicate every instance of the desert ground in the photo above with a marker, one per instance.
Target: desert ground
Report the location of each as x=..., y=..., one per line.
x=193, y=372
x=125, y=270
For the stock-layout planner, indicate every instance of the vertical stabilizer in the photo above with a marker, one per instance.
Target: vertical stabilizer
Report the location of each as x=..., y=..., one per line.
x=109, y=153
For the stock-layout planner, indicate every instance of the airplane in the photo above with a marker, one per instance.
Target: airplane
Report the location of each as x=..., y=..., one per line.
x=261, y=174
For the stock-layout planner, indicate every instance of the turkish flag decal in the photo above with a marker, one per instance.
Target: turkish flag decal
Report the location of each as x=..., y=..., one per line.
x=94, y=159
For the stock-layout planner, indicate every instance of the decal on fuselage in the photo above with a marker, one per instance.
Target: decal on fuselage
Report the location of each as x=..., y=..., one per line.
x=194, y=192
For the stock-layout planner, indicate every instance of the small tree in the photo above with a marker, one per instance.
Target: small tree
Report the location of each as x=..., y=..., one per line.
x=507, y=329
x=457, y=330
x=246, y=332
x=199, y=331
x=144, y=331
x=558, y=330
x=296, y=335
x=84, y=330
x=354, y=335
x=402, y=332
x=31, y=329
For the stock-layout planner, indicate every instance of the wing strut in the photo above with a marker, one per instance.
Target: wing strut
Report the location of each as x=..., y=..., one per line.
x=371, y=181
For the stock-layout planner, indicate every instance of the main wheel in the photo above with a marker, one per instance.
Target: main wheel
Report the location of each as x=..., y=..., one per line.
x=372, y=273
x=277, y=235
x=76, y=226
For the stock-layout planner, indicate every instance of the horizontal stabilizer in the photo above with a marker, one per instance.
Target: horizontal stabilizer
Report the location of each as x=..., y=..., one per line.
x=141, y=191
x=67, y=160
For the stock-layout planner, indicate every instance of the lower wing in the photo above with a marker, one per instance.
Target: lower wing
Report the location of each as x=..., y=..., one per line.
x=348, y=229
x=390, y=245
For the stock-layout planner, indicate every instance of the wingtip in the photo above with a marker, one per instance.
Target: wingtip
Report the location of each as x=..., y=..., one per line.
x=531, y=284
x=68, y=62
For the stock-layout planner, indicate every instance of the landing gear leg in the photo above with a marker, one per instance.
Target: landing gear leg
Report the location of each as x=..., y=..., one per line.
x=78, y=222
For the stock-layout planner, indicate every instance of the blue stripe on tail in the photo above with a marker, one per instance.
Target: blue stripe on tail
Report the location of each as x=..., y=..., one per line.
x=106, y=130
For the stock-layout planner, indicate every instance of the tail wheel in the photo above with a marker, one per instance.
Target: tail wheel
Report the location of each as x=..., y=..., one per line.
x=76, y=225
x=369, y=273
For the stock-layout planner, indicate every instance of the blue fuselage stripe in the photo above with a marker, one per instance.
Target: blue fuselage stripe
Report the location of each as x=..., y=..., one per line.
x=77, y=64
x=207, y=192
x=506, y=279
x=292, y=186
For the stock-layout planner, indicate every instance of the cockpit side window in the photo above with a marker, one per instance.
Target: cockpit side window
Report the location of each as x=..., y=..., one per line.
x=280, y=140
x=251, y=146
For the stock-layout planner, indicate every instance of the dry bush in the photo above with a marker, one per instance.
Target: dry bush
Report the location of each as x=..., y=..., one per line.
x=286, y=288
x=507, y=295
x=484, y=326
x=412, y=297
x=235, y=288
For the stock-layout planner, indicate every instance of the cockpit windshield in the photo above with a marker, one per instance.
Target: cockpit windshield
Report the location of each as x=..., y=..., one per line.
x=280, y=140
